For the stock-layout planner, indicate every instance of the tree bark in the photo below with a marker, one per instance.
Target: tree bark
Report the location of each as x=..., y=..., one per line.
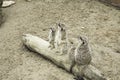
x=40, y=46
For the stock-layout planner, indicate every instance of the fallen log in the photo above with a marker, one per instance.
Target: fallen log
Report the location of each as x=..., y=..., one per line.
x=7, y=3
x=41, y=46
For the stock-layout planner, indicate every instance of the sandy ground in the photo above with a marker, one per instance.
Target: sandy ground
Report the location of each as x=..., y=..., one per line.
x=99, y=22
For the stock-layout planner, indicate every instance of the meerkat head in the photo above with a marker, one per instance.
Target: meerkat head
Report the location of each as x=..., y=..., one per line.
x=83, y=39
x=52, y=30
x=61, y=27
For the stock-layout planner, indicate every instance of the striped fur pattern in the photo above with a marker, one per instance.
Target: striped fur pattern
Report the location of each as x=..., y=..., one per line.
x=82, y=53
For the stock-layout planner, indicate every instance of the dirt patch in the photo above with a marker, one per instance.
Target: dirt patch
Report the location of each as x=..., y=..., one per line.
x=99, y=22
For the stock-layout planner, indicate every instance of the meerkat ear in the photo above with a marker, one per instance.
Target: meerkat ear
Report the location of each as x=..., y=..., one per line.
x=84, y=38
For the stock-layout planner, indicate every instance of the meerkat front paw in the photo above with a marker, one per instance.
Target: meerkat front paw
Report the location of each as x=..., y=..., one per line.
x=51, y=46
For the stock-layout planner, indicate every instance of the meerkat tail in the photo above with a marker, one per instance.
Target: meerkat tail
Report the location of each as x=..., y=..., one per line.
x=72, y=66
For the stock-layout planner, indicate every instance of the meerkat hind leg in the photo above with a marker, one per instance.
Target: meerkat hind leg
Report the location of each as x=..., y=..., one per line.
x=81, y=69
x=79, y=76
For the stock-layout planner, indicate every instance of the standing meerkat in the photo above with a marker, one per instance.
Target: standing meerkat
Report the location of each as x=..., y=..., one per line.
x=58, y=37
x=51, y=38
x=82, y=54
x=61, y=39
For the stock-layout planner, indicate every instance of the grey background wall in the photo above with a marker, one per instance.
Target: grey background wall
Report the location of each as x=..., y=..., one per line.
x=112, y=2
x=1, y=1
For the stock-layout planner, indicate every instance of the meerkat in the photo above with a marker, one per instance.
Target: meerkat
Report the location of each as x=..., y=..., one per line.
x=61, y=39
x=51, y=38
x=82, y=54
x=64, y=39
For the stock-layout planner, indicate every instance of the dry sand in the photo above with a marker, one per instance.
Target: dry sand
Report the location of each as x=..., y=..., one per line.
x=99, y=22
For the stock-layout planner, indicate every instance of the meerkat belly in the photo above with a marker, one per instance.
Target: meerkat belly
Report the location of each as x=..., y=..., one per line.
x=50, y=37
x=51, y=40
x=57, y=39
x=83, y=57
